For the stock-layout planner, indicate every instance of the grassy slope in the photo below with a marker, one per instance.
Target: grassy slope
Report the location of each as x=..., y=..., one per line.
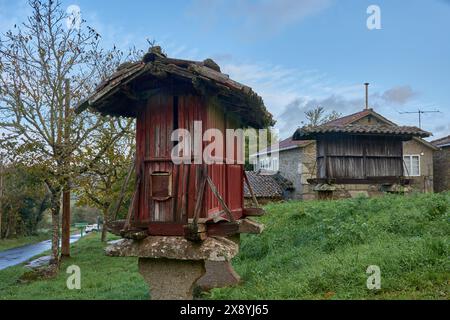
x=102, y=277
x=320, y=250
x=309, y=250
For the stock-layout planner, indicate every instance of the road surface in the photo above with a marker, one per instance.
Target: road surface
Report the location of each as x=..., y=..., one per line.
x=12, y=257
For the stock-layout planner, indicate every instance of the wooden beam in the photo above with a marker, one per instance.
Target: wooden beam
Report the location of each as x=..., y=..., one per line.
x=255, y=201
x=367, y=180
x=221, y=201
x=133, y=203
x=222, y=229
x=250, y=226
x=124, y=185
x=253, y=212
x=200, y=193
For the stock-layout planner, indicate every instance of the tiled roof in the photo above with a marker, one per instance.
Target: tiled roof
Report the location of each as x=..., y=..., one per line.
x=310, y=132
x=355, y=117
x=348, y=119
x=347, y=125
x=266, y=185
x=445, y=141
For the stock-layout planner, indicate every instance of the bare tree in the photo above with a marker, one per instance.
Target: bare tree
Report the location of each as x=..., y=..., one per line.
x=318, y=116
x=102, y=185
x=38, y=60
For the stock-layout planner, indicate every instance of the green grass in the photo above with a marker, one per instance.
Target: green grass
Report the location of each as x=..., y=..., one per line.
x=321, y=250
x=102, y=277
x=309, y=250
x=6, y=244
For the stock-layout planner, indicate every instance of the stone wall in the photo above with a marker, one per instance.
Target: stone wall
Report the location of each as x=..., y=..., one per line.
x=424, y=182
x=307, y=170
x=442, y=169
x=289, y=166
x=354, y=190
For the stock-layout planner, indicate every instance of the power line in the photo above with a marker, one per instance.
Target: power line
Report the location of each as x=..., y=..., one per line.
x=420, y=112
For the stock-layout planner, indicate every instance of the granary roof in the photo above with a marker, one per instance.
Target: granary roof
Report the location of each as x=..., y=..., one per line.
x=266, y=185
x=442, y=142
x=348, y=125
x=307, y=133
x=132, y=81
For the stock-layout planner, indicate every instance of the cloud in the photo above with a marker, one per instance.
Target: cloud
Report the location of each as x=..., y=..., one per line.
x=293, y=115
x=399, y=95
x=255, y=18
x=289, y=92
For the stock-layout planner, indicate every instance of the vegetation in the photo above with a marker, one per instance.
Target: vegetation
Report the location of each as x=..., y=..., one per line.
x=309, y=250
x=48, y=64
x=321, y=250
x=103, y=185
x=23, y=202
x=317, y=116
x=6, y=244
x=102, y=277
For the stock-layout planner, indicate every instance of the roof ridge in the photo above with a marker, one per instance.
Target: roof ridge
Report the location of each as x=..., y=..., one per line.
x=349, y=119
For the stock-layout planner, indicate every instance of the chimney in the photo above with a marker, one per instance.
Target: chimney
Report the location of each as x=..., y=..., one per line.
x=367, y=95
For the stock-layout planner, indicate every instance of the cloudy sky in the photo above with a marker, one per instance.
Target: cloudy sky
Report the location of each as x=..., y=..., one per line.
x=296, y=54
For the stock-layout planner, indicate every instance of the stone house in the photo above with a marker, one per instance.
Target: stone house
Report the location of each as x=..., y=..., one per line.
x=296, y=160
x=441, y=164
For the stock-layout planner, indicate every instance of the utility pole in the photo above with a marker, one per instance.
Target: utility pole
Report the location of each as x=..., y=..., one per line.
x=65, y=225
x=420, y=112
x=367, y=95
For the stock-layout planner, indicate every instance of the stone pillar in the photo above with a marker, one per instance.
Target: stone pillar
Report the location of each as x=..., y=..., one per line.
x=170, y=279
x=173, y=266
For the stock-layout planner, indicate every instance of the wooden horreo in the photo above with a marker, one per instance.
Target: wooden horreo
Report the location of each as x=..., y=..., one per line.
x=370, y=153
x=164, y=94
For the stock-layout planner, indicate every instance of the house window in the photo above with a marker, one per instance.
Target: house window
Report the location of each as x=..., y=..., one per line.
x=411, y=165
x=274, y=164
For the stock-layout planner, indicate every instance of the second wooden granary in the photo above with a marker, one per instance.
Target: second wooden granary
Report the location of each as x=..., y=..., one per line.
x=165, y=94
x=359, y=156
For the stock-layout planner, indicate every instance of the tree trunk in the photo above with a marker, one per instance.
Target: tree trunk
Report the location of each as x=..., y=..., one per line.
x=65, y=234
x=55, y=207
x=105, y=223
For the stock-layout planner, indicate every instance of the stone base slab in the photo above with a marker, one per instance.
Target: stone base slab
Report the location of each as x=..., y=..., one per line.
x=170, y=247
x=219, y=274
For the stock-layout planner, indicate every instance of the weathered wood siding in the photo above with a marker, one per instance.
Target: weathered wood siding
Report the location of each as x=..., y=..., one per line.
x=359, y=157
x=155, y=123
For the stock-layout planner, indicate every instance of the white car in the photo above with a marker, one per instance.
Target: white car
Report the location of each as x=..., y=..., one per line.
x=91, y=227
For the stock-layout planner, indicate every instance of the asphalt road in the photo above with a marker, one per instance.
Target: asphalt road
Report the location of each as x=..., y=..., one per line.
x=12, y=257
